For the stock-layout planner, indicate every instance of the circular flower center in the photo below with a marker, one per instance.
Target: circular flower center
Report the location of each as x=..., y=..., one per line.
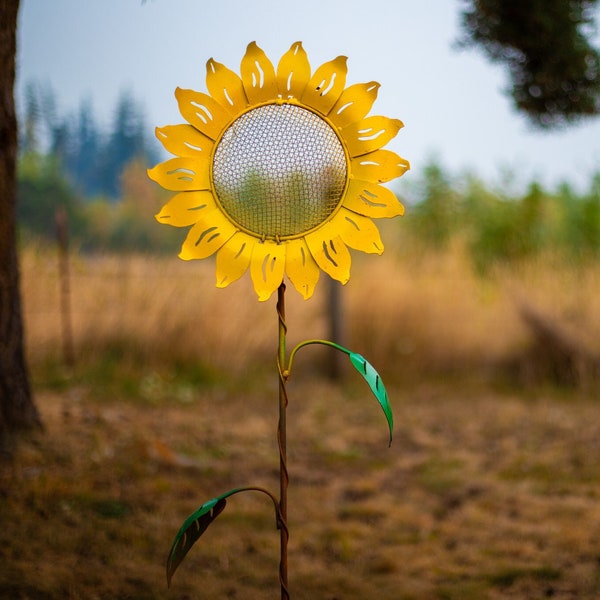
x=279, y=170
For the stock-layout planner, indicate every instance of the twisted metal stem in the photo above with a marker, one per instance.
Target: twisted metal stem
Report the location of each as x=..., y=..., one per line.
x=282, y=441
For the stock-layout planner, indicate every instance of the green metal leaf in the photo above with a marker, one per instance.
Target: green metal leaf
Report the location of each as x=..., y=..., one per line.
x=193, y=527
x=197, y=523
x=372, y=378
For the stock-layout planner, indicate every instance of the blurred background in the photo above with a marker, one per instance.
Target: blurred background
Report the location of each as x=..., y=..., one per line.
x=158, y=391
x=503, y=198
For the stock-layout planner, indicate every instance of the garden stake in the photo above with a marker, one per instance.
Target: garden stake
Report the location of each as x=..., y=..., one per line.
x=282, y=442
x=278, y=173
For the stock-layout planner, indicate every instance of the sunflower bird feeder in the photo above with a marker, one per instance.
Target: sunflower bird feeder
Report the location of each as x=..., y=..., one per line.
x=278, y=173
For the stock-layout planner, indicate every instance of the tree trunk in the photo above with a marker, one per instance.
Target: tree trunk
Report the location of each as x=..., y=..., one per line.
x=17, y=410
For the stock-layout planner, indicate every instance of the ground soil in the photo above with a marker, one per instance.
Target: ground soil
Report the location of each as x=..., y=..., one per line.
x=484, y=494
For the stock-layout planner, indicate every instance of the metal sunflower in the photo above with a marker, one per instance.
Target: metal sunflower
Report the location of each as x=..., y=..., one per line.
x=279, y=171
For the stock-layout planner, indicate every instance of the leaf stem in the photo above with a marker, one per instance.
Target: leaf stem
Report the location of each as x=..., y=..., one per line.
x=253, y=488
x=308, y=343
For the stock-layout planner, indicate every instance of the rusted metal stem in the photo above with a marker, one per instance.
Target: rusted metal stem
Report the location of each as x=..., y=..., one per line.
x=282, y=441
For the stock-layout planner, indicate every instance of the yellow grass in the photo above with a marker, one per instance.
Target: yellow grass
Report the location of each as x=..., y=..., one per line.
x=414, y=316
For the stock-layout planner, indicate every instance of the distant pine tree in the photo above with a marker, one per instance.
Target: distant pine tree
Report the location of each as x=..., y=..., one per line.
x=81, y=161
x=93, y=160
x=127, y=140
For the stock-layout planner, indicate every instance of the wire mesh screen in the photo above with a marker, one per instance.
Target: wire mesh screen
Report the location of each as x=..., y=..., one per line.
x=279, y=170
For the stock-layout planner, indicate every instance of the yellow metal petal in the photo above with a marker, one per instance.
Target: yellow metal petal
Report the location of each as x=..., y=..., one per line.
x=258, y=75
x=359, y=232
x=378, y=166
x=186, y=208
x=354, y=104
x=372, y=200
x=203, y=112
x=267, y=267
x=330, y=252
x=326, y=85
x=301, y=267
x=225, y=87
x=182, y=174
x=207, y=236
x=184, y=140
x=293, y=72
x=233, y=259
x=370, y=134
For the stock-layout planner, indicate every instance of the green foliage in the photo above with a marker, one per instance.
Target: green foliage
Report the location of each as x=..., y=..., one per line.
x=499, y=228
x=98, y=177
x=435, y=216
x=507, y=230
x=42, y=188
x=97, y=224
x=495, y=226
x=582, y=222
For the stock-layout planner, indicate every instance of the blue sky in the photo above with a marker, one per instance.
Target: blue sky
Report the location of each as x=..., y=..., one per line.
x=451, y=101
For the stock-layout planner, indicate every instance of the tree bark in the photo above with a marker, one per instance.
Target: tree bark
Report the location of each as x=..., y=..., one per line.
x=17, y=410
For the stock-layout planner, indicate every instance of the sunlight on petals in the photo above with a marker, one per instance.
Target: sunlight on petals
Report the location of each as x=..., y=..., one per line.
x=184, y=140
x=258, y=75
x=233, y=259
x=370, y=134
x=330, y=252
x=207, y=236
x=203, y=112
x=378, y=166
x=372, y=200
x=186, y=208
x=354, y=103
x=182, y=174
x=293, y=72
x=326, y=85
x=267, y=268
x=301, y=268
x=359, y=232
x=225, y=87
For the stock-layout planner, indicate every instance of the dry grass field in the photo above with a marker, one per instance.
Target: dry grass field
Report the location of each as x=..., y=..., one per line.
x=414, y=315
x=491, y=488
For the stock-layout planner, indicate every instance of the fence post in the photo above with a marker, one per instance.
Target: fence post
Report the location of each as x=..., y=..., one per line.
x=62, y=237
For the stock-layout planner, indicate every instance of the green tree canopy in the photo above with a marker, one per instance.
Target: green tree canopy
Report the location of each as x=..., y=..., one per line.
x=554, y=68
